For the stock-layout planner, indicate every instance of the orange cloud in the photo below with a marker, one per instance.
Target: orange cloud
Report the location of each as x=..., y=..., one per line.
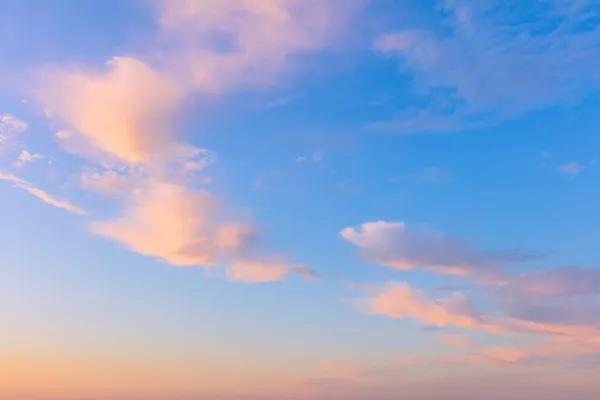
x=178, y=225
x=399, y=300
x=125, y=112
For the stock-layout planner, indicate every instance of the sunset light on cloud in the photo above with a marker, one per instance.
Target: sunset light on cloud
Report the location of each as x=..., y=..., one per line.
x=299, y=199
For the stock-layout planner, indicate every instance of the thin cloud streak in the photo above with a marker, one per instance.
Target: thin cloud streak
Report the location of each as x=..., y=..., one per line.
x=42, y=195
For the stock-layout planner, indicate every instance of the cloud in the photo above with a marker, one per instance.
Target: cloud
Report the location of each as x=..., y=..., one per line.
x=27, y=157
x=564, y=281
x=10, y=126
x=397, y=245
x=566, y=296
x=571, y=168
x=125, y=112
x=556, y=348
x=543, y=302
x=222, y=44
x=265, y=270
x=178, y=225
x=494, y=60
x=122, y=122
x=108, y=182
x=41, y=194
x=399, y=300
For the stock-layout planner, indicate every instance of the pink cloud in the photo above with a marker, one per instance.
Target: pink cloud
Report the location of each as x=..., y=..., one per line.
x=399, y=300
x=225, y=43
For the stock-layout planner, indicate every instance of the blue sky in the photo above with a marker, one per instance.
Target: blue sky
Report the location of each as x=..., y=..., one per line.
x=298, y=199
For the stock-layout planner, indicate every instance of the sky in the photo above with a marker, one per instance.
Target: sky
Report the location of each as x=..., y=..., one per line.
x=299, y=199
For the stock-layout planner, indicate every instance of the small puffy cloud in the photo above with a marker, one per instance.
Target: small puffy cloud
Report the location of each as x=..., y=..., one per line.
x=571, y=168
x=41, y=194
x=27, y=157
x=397, y=245
x=399, y=300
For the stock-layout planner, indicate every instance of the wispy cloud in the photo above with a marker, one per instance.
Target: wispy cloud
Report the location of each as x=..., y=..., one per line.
x=41, y=194
x=494, y=63
x=257, y=37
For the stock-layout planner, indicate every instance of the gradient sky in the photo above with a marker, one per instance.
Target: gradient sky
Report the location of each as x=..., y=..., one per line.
x=299, y=199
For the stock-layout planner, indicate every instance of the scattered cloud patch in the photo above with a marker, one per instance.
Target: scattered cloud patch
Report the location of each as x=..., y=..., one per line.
x=26, y=157
x=490, y=64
